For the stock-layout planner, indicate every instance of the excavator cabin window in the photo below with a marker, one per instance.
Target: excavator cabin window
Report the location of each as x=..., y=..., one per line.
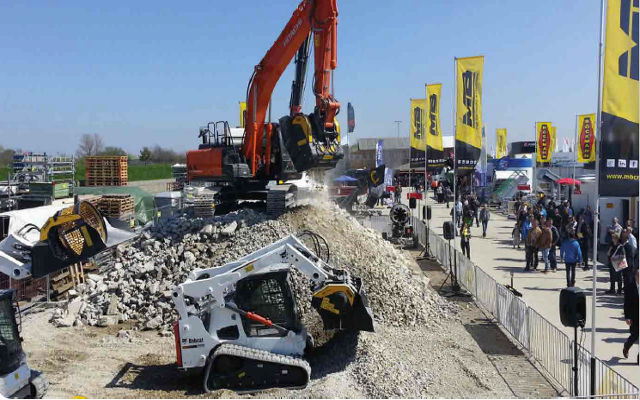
x=268, y=295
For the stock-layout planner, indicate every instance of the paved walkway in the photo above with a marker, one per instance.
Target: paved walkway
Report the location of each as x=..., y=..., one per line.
x=496, y=255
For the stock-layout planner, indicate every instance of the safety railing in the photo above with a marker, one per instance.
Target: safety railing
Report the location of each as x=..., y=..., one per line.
x=552, y=349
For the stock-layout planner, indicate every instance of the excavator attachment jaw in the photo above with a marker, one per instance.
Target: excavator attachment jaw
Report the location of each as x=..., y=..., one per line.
x=72, y=235
x=308, y=145
x=344, y=305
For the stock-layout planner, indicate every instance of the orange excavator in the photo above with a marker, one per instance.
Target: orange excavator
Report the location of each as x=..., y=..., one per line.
x=298, y=142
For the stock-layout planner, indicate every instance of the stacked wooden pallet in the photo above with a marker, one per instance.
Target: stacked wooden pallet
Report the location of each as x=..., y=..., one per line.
x=121, y=206
x=173, y=186
x=66, y=279
x=106, y=171
x=203, y=206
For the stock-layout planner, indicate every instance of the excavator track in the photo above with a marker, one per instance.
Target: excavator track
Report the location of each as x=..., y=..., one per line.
x=247, y=370
x=279, y=198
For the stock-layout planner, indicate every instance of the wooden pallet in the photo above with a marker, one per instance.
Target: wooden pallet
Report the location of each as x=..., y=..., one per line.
x=106, y=170
x=67, y=278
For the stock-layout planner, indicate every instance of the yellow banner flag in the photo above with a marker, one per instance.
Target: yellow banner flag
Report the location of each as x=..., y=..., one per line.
x=620, y=89
x=435, y=150
x=417, y=132
x=243, y=114
x=618, y=131
x=544, y=142
x=468, y=112
x=501, y=143
x=586, y=146
x=434, y=133
x=553, y=142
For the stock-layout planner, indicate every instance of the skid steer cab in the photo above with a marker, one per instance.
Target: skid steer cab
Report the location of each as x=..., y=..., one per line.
x=242, y=323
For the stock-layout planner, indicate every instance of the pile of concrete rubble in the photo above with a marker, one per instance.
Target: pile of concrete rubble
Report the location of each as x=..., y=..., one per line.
x=145, y=272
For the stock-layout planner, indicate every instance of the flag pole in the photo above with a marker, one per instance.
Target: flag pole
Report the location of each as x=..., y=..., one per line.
x=426, y=154
x=575, y=155
x=455, y=156
x=596, y=210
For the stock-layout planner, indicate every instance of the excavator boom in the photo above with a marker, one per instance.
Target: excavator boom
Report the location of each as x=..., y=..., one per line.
x=316, y=21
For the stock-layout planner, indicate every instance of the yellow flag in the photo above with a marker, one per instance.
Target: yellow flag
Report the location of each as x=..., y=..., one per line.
x=553, y=142
x=417, y=131
x=501, y=143
x=243, y=114
x=435, y=151
x=544, y=141
x=468, y=111
x=434, y=132
x=620, y=89
x=586, y=146
x=618, y=130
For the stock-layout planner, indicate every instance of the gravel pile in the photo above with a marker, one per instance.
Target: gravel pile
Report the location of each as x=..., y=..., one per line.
x=419, y=349
x=140, y=284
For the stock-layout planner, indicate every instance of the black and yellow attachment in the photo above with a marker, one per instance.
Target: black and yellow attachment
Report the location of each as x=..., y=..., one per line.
x=308, y=145
x=343, y=305
x=73, y=234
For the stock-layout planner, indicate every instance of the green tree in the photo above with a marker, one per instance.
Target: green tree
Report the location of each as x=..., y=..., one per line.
x=113, y=151
x=145, y=154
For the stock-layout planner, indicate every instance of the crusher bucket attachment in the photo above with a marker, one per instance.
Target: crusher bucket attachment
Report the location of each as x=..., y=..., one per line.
x=72, y=235
x=343, y=304
x=308, y=146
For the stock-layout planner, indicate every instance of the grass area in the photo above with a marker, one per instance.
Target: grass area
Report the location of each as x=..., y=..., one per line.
x=137, y=172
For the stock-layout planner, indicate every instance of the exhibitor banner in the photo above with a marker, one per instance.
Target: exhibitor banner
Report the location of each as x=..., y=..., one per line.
x=501, y=143
x=243, y=114
x=544, y=143
x=379, y=153
x=468, y=142
x=351, y=118
x=417, y=131
x=586, y=138
x=435, y=150
x=619, y=119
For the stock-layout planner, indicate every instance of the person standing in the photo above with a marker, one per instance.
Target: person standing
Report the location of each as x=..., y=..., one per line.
x=458, y=212
x=555, y=239
x=465, y=239
x=583, y=231
x=629, y=253
x=631, y=314
x=447, y=194
x=614, y=229
x=485, y=214
x=543, y=242
x=614, y=276
x=530, y=245
x=572, y=256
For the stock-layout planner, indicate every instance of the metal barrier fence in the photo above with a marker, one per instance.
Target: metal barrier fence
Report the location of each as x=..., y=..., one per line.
x=547, y=344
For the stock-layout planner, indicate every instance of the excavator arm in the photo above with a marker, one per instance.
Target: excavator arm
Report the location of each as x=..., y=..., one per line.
x=310, y=140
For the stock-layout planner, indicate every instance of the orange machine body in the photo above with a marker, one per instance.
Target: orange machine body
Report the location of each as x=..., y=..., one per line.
x=204, y=164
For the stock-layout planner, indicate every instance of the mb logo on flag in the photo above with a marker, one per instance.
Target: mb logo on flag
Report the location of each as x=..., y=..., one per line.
x=433, y=114
x=469, y=84
x=628, y=61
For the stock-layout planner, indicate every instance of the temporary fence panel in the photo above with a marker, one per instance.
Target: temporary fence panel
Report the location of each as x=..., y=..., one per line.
x=511, y=311
x=608, y=382
x=486, y=290
x=551, y=348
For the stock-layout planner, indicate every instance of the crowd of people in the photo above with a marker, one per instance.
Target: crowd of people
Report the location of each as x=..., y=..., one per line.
x=547, y=227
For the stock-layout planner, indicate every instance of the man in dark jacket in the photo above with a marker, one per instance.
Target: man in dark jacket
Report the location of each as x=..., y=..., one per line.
x=485, y=214
x=631, y=314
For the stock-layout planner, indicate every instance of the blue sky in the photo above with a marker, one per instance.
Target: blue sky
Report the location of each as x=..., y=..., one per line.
x=151, y=72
